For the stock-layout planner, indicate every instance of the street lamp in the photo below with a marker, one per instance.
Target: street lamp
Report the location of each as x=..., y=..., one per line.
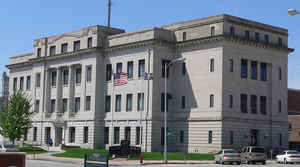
x=293, y=12
x=167, y=65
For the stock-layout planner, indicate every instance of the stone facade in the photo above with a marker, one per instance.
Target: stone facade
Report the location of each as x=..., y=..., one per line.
x=204, y=92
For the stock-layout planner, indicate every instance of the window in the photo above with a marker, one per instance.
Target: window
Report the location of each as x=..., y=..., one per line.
x=78, y=75
x=280, y=42
x=37, y=105
x=127, y=133
x=130, y=69
x=141, y=67
x=211, y=101
x=163, y=102
x=116, y=135
x=244, y=68
x=107, y=103
x=232, y=31
x=247, y=35
x=85, y=134
x=39, y=52
x=66, y=77
x=129, y=102
x=162, y=135
x=231, y=137
x=15, y=84
x=140, y=102
x=25, y=136
x=230, y=101
x=231, y=65
x=210, y=135
x=76, y=45
x=212, y=65
x=253, y=100
x=263, y=105
x=212, y=31
x=77, y=104
x=137, y=135
x=119, y=70
x=184, y=36
x=164, y=64
x=118, y=103
x=266, y=38
x=263, y=71
x=48, y=132
x=108, y=72
x=65, y=105
x=279, y=73
x=22, y=83
x=89, y=73
x=183, y=68
x=280, y=139
x=254, y=70
x=64, y=48
x=52, y=106
x=181, y=136
x=28, y=81
x=52, y=50
x=90, y=42
x=106, y=135
x=53, y=78
x=279, y=106
x=244, y=103
x=38, y=80
x=34, y=133
x=257, y=38
x=183, y=102
x=88, y=103
x=72, y=135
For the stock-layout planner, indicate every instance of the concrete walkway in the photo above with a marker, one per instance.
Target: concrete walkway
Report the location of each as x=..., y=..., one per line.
x=117, y=162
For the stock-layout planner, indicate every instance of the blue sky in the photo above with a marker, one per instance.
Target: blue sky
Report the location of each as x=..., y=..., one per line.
x=23, y=21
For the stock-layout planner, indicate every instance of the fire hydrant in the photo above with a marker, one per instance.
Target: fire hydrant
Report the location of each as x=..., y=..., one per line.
x=141, y=158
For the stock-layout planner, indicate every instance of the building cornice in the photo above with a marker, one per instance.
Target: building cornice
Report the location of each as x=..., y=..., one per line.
x=55, y=57
x=157, y=42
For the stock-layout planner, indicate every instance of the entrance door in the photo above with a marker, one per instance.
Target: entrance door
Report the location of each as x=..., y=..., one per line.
x=58, y=136
x=254, y=137
x=127, y=133
x=47, y=133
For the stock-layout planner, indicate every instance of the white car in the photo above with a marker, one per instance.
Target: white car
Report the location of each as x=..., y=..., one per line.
x=8, y=148
x=288, y=156
x=228, y=155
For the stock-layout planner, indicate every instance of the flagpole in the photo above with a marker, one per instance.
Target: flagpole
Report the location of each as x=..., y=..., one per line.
x=112, y=106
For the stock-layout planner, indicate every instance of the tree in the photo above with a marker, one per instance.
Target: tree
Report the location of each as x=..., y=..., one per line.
x=16, y=116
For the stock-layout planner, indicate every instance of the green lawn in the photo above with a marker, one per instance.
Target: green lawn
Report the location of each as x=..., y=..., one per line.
x=175, y=156
x=79, y=153
x=32, y=150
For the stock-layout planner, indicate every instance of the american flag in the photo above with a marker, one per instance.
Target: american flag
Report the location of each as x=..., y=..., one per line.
x=121, y=79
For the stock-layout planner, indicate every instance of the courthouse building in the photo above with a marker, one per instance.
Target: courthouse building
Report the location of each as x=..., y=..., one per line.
x=230, y=91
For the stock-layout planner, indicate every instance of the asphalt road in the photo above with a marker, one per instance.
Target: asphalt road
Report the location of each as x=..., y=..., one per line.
x=38, y=163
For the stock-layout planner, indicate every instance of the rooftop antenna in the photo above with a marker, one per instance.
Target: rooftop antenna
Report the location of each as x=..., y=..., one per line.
x=109, y=11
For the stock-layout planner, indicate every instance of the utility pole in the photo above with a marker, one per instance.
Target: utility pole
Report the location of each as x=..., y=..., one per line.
x=109, y=11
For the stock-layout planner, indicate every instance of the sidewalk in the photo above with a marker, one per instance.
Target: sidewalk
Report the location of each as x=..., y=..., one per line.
x=48, y=157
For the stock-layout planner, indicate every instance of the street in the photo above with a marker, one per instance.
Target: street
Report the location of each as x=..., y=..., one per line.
x=38, y=163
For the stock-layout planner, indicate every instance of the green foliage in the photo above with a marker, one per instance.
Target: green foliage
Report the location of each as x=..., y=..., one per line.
x=32, y=150
x=16, y=118
x=79, y=153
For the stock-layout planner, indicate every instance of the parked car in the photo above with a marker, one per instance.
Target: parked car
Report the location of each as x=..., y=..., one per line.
x=288, y=156
x=8, y=148
x=228, y=155
x=253, y=154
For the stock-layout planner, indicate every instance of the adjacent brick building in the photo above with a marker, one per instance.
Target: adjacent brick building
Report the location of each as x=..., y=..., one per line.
x=294, y=117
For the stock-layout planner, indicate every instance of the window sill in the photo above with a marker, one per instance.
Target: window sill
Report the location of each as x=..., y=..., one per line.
x=88, y=82
x=53, y=87
x=78, y=84
x=66, y=85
